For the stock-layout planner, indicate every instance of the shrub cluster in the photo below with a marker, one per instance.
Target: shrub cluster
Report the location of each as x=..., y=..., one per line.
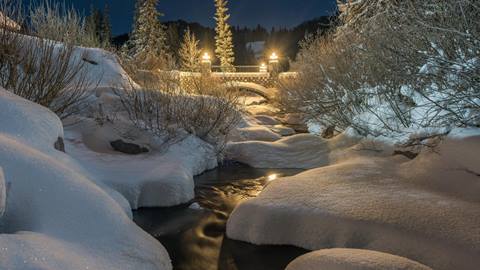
x=392, y=68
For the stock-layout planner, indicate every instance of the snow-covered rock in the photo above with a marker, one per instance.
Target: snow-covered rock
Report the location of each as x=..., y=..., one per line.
x=353, y=259
x=303, y=151
x=407, y=208
x=255, y=133
x=283, y=130
x=161, y=177
x=57, y=217
x=262, y=109
x=266, y=120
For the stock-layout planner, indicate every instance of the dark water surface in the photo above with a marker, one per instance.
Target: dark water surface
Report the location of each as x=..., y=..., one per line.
x=195, y=238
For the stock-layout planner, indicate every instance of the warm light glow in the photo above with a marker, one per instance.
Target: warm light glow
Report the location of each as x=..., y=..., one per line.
x=263, y=67
x=272, y=177
x=274, y=58
x=206, y=58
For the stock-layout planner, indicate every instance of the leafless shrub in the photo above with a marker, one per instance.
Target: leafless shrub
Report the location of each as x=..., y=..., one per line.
x=393, y=67
x=208, y=110
x=55, y=21
x=43, y=71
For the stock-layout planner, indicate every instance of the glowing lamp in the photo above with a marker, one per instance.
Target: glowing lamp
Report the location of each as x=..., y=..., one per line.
x=206, y=59
x=274, y=58
x=272, y=177
x=263, y=68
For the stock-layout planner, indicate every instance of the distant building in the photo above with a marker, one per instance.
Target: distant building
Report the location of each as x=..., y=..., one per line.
x=6, y=22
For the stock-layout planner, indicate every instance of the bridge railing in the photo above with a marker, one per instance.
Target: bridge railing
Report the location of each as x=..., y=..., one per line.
x=243, y=69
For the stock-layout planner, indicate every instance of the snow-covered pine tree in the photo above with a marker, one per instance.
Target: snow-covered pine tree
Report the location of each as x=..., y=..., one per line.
x=189, y=52
x=148, y=41
x=106, y=27
x=223, y=38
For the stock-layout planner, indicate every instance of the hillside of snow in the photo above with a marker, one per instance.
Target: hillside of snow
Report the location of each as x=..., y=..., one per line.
x=56, y=216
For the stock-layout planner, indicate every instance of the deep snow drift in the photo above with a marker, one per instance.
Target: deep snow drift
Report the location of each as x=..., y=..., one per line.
x=56, y=217
x=353, y=259
x=162, y=177
x=303, y=151
x=427, y=209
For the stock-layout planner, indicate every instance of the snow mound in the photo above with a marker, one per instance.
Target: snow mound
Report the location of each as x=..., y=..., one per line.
x=353, y=259
x=266, y=120
x=104, y=68
x=58, y=218
x=303, y=151
x=256, y=133
x=383, y=204
x=262, y=109
x=160, y=178
x=25, y=121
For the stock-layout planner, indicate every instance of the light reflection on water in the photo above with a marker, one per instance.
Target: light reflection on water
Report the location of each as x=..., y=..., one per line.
x=195, y=238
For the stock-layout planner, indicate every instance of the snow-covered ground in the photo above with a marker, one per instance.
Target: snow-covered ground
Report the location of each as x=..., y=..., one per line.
x=56, y=216
x=353, y=259
x=303, y=151
x=161, y=177
x=426, y=209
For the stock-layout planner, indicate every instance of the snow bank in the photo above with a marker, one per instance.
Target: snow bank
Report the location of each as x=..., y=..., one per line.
x=24, y=121
x=103, y=68
x=353, y=259
x=57, y=218
x=303, y=151
x=255, y=133
x=383, y=204
x=162, y=177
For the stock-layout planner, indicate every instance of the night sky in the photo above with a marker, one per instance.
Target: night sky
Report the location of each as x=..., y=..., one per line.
x=267, y=13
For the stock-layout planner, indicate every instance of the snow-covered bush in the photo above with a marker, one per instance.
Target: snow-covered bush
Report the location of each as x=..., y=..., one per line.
x=44, y=71
x=394, y=68
x=207, y=110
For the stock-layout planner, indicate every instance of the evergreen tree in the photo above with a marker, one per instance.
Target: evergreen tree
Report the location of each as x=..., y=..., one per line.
x=92, y=27
x=189, y=52
x=106, y=27
x=223, y=38
x=148, y=40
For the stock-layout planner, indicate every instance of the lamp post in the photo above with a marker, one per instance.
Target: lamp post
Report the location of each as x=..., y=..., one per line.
x=263, y=68
x=273, y=64
x=206, y=62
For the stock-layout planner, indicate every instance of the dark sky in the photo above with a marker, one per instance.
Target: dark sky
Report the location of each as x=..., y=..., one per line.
x=244, y=12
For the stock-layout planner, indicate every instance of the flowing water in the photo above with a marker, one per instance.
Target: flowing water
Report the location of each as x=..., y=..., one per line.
x=195, y=237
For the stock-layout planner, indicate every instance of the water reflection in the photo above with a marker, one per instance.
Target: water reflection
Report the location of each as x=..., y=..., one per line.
x=195, y=238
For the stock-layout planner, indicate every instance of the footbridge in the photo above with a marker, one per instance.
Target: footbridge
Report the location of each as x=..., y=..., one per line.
x=255, y=79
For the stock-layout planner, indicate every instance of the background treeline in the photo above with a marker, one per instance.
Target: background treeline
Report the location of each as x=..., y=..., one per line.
x=283, y=40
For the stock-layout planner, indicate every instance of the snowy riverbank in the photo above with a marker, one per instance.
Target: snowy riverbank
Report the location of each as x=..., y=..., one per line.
x=426, y=209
